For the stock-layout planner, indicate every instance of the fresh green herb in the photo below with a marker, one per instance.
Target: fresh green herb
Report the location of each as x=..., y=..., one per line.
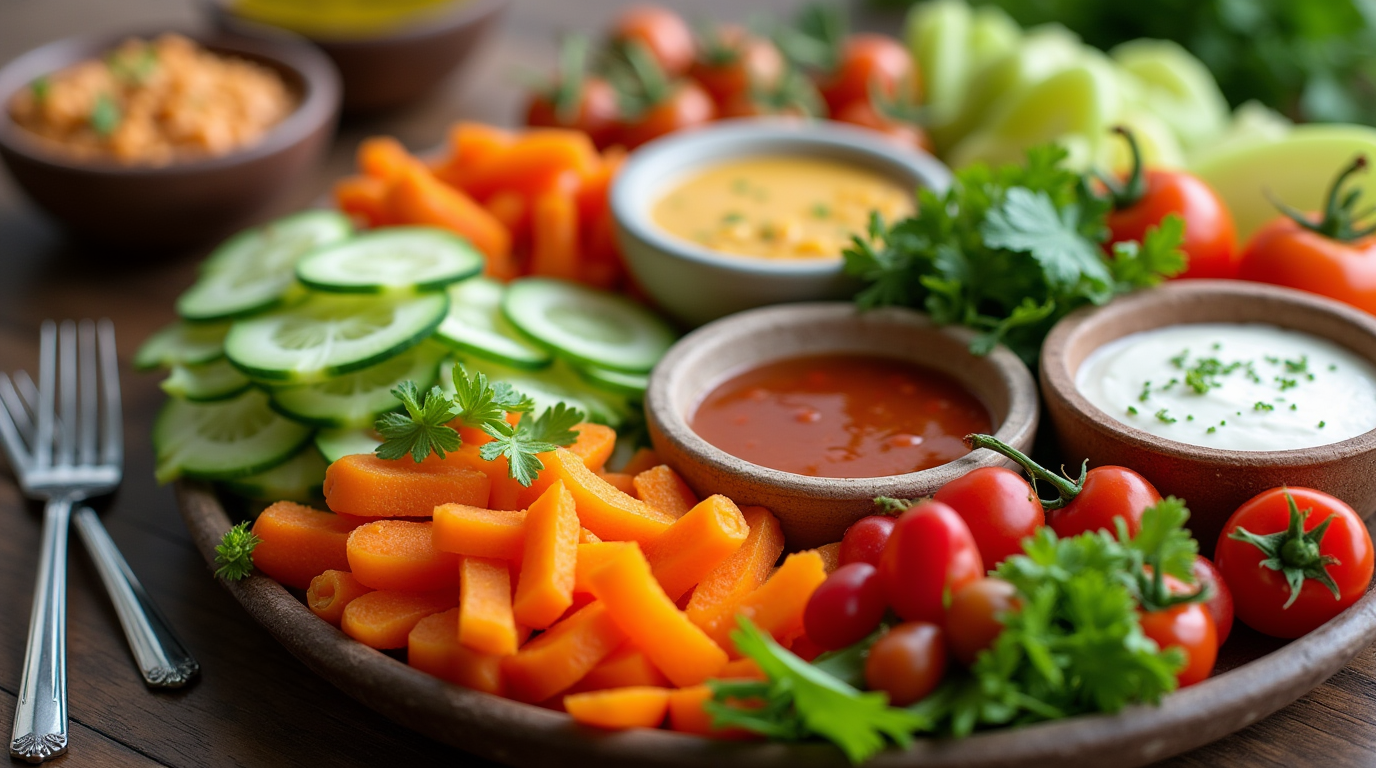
x=1322, y=424
x=1298, y=366
x=234, y=553
x=133, y=66
x=1132, y=411
x=1189, y=417
x=1216, y=346
x=733, y=217
x=1260, y=406
x=422, y=430
x=1204, y=374
x=1179, y=360
x=1286, y=384
x=1332, y=367
x=1211, y=430
x=740, y=186
x=1008, y=251
x=768, y=231
x=105, y=115
x=1294, y=407
x=1223, y=423
x=40, y=88
x=521, y=443
x=1146, y=392
x=821, y=211
x=1164, y=417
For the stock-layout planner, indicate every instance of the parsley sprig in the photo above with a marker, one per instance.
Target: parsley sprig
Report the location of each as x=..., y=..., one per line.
x=234, y=553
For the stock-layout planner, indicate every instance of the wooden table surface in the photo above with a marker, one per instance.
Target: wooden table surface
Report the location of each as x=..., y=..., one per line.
x=254, y=704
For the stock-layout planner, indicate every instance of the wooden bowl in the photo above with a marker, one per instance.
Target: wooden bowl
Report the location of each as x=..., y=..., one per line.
x=183, y=203
x=817, y=510
x=1212, y=481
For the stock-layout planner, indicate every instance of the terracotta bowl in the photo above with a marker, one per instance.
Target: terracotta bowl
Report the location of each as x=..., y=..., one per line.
x=1213, y=482
x=183, y=203
x=817, y=510
x=399, y=66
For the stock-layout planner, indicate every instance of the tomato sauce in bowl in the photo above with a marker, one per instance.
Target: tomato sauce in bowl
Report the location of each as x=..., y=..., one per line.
x=841, y=415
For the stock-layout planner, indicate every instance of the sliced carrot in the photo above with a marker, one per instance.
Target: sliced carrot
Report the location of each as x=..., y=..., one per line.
x=831, y=555
x=641, y=460
x=602, y=509
x=400, y=555
x=533, y=162
x=777, y=606
x=639, y=707
x=696, y=544
x=417, y=197
x=688, y=714
x=627, y=666
x=594, y=445
x=299, y=543
x=620, y=481
x=486, y=623
x=742, y=669
x=384, y=158
x=663, y=489
x=367, y=486
x=741, y=573
x=594, y=191
x=586, y=536
x=554, y=250
x=364, y=197
x=591, y=557
x=682, y=651
x=475, y=148
x=433, y=647
x=384, y=618
x=511, y=208
x=479, y=532
x=554, y=661
x=504, y=491
x=331, y=592
x=547, y=567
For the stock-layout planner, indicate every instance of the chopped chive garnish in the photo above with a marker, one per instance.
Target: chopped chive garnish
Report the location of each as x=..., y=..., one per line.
x=1164, y=417
x=1260, y=406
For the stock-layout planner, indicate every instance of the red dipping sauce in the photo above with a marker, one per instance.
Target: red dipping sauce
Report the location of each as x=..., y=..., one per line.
x=841, y=415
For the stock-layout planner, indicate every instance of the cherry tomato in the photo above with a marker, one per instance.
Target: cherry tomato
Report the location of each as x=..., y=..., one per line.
x=870, y=60
x=1106, y=493
x=972, y=621
x=663, y=33
x=804, y=648
x=1000, y=508
x=1189, y=628
x=733, y=62
x=930, y=555
x=594, y=112
x=1305, y=532
x=907, y=663
x=1149, y=195
x=846, y=607
x=902, y=132
x=865, y=539
x=1220, y=602
x=685, y=106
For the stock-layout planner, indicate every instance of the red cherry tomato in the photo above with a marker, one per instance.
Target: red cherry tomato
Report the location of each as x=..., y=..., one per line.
x=1210, y=236
x=1285, y=524
x=686, y=105
x=972, y=621
x=865, y=539
x=870, y=60
x=595, y=110
x=1107, y=492
x=902, y=132
x=1000, y=508
x=663, y=33
x=846, y=607
x=1285, y=253
x=907, y=663
x=1189, y=628
x=1220, y=602
x=930, y=555
x=733, y=62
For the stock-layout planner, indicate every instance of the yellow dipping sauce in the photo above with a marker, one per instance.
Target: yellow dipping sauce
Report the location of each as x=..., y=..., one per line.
x=780, y=207
x=349, y=18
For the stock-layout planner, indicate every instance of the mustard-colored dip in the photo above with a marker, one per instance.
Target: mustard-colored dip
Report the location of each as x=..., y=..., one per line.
x=780, y=207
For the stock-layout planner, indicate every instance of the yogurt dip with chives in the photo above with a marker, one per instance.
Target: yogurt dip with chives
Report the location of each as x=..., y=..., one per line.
x=1234, y=386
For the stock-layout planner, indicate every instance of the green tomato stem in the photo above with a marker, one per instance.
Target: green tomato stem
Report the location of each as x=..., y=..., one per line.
x=1066, y=488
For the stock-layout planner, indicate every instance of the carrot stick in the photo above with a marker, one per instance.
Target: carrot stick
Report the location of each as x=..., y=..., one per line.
x=299, y=543
x=557, y=659
x=641, y=460
x=384, y=618
x=364, y=197
x=627, y=666
x=695, y=545
x=479, y=532
x=554, y=236
x=400, y=555
x=777, y=606
x=586, y=536
x=742, y=669
x=682, y=651
x=620, y=481
x=486, y=623
x=663, y=489
x=831, y=555
x=384, y=158
x=640, y=707
x=417, y=197
x=331, y=592
x=433, y=647
x=475, y=149
x=687, y=714
x=547, y=568
x=533, y=163
x=366, y=486
x=741, y=573
x=602, y=509
x=594, y=446
x=590, y=558
x=510, y=208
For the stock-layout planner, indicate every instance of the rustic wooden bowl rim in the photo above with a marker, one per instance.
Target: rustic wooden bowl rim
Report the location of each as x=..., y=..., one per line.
x=459, y=13
x=1058, y=377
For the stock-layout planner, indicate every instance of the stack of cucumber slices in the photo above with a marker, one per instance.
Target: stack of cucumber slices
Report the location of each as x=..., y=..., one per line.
x=295, y=333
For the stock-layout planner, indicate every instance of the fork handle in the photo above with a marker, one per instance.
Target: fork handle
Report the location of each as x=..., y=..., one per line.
x=40, y=717
x=163, y=660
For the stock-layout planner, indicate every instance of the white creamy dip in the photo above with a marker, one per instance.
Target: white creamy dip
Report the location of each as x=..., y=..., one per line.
x=1244, y=387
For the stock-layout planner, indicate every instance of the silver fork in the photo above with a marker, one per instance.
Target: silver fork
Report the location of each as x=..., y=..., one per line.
x=63, y=458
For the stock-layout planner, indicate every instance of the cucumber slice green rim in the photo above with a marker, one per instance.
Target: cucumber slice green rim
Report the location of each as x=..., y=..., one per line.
x=586, y=325
x=395, y=259
x=335, y=444
x=475, y=326
x=205, y=383
x=182, y=344
x=357, y=399
x=252, y=270
x=223, y=440
x=300, y=478
x=615, y=382
x=328, y=335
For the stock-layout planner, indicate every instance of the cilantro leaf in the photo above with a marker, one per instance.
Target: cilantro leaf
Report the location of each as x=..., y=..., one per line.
x=477, y=400
x=422, y=430
x=1157, y=257
x=1029, y=222
x=234, y=553
x=105, y=115
x=531, y=436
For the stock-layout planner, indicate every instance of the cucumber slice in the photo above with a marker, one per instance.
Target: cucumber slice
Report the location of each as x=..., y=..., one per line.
x=182, y=344
x=328, y=335
x=299, y=478
x=399, y=259
x=357, y=399
x=224, y=440
x=615, y=382
x=475, y=326
x=250, y=271
x=589, y=326
x=547, y=388
x=335, y=444
x=207, y=382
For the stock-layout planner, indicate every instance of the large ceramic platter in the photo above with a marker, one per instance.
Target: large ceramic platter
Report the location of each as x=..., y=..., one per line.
x=1262, y=675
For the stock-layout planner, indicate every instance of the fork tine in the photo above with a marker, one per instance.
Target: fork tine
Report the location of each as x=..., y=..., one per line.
x=11, y=410
x=28, y=392
x=113, y=431
x=47, y=392
x=67, y=373
x=19, y=404
x=90, y=404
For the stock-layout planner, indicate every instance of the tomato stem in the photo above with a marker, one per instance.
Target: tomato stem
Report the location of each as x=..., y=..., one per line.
x=1066, y=489
x=1340, y=216
x=567, y=94
x=1293, y=552
x=1131, y=190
